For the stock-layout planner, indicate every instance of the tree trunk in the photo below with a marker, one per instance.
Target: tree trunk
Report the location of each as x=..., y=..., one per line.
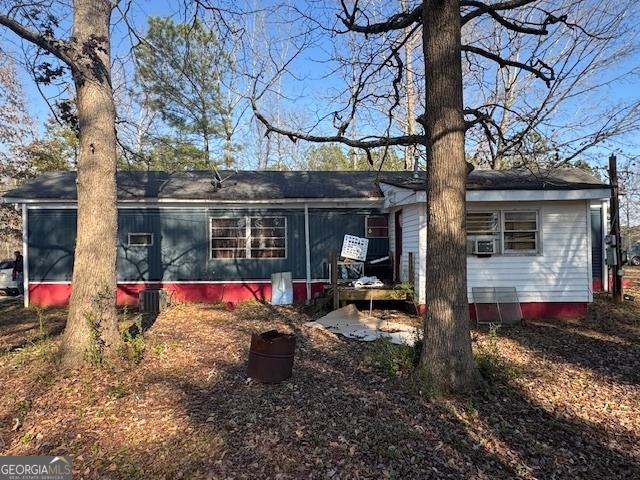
x=509, y=98
x=205, y=143
x=410, y=151
x=92, y=325
x=446, y=355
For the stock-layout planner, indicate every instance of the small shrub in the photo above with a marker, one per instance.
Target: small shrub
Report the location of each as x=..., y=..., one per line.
x=40, y=315
x=417, y=349
x=133, y=346
x=422, y=382
x=118, y=391
x=132, y=471
x=392, y=359
x=470, y=410
x=409, y=289
x=94, y=353
x=23, y=409
x=158, y=349
x=489, y=360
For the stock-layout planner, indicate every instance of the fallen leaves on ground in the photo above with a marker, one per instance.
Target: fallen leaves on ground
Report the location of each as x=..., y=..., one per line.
x=568, y=407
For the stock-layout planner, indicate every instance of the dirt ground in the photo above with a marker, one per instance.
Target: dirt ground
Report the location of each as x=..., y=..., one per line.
x=565, y=403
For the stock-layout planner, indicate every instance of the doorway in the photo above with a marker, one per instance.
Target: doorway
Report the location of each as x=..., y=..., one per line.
x=398, y=245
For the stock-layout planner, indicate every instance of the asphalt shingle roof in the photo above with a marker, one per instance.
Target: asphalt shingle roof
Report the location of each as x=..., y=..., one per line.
x=266, y=185
x=516, y=179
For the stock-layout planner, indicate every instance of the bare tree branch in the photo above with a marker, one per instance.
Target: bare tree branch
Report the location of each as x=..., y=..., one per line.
x=363, y=143
x=537, y=71
x=58, y=48
x=399, y=21
x=482, y=8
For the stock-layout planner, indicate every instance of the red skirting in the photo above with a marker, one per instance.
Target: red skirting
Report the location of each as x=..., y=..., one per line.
x=58, y=294
x=532, y=310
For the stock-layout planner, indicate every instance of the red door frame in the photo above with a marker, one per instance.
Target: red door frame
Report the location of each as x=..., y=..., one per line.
x=397, y=224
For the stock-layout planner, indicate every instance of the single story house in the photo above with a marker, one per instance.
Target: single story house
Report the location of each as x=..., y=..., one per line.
x=205, y=241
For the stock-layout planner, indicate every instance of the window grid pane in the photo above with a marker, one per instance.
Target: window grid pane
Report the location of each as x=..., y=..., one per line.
x=482, y=223
x=377, y=226
x=268, y=237
x=521, y=231
x=248, y=237
x=228, y=238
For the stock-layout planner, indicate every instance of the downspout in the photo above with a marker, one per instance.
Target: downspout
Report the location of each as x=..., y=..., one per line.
x=307, y=252
x=25, y=255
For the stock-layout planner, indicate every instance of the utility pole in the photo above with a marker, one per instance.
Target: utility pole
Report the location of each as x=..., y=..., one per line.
x=616, y=243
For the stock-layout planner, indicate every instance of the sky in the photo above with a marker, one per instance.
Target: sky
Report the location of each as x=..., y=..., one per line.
x=309, y=92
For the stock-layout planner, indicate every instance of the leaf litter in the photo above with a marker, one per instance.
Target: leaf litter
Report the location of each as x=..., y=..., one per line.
x=567, y=406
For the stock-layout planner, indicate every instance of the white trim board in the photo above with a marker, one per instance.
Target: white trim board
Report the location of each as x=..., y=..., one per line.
x=397, y=196
x=528, y=195
x=374, y=202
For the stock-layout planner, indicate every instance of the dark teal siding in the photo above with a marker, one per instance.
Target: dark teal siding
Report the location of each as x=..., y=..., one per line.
x=180, y=250
x=51, y=244
x=596, y=244
x=179, y=244
x=327, y=229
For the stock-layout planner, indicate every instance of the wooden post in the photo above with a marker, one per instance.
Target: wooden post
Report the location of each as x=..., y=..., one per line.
x=615, y=229
x=334, y=280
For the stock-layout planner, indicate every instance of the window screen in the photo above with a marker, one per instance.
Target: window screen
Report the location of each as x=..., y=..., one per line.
x=377, y=226
x=520, y=231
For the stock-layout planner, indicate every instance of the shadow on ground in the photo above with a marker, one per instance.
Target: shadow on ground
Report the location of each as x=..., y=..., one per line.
x=189, y=410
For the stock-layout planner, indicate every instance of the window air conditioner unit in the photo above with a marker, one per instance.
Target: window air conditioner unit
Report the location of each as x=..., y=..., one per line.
x=484, y=247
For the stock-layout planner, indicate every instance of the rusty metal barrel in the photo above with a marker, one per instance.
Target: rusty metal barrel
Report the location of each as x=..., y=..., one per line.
x=271, y=356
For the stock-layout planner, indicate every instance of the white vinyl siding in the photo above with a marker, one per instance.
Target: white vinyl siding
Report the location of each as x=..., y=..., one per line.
x=422, y=261
x=559, y=274
x=413, y=240
x=410, y=239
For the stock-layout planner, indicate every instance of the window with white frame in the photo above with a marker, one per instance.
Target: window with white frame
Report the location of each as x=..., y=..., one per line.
x=503, y=231
x=248, y=237
x=377, y=226
x=140, y=240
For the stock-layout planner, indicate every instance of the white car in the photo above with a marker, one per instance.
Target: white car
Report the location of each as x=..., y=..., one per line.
x=7, y=283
